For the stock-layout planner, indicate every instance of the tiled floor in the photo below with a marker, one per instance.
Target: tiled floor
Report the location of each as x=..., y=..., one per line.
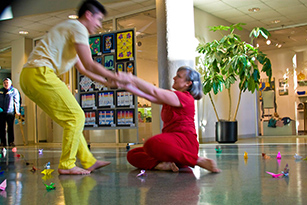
x=240, y=182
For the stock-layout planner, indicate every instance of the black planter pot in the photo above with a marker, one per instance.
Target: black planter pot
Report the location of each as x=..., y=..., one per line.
x=226, y=131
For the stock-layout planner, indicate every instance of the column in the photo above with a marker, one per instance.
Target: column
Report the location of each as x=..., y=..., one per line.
x=176, y=44
x=21, y=49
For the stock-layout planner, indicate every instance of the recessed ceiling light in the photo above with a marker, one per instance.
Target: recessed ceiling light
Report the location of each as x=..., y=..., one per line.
x=268, y=42
x=23, y=32
x=73, y=16
x=254, y=9
x=275, y=21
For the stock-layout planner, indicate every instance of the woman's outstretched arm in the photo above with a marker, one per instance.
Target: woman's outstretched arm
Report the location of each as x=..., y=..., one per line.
x=146, y=90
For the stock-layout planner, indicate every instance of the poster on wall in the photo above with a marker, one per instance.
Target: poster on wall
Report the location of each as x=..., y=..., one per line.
x=88, y=100
x=95, y=45
x=125, y=46
x=85, y=84
x=104, y=107
x=283, y=82
x=125, y=117
x=106, y=118
x=283, y=92
x=106, y=99
x=108, y=43
x=98, y=86
x=90, y=119
x=98, y=59
x=130, y=67
x=120, y=67
x=124, y=99
x=109, y=62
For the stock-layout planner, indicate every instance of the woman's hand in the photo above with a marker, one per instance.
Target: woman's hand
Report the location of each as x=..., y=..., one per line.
x=123, y=77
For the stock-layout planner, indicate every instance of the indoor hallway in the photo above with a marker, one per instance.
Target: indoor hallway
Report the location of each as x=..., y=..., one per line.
x=242, y=181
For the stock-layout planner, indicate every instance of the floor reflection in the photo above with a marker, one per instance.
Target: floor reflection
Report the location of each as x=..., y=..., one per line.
x=242, y=181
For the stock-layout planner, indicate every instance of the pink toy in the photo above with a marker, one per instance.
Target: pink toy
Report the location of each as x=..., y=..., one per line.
x=141, y=174
x=274, y=175
x=278, y=156
x=14, y=149
x=3, y=185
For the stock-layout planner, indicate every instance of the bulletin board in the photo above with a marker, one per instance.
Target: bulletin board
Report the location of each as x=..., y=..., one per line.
x=107, y=108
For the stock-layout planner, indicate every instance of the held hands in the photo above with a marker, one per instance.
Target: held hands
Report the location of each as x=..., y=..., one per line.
x=123, y=80
x=123, y=77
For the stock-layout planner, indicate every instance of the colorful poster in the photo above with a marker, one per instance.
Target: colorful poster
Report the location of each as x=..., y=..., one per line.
x=95, y=45
x=98, y=60
x=88, y=100
x=124, y=99
x=106, y=118
x=130, y=67
x=98, y=86
x=109, y=62
x=120, y=67
x=106, y=99
x=125, y=45
x=90, y=118
x=125, y=118
x=85, y=83
x=108, y=43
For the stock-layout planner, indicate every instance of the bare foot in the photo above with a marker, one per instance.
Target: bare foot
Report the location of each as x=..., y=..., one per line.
x=74, y=171
x=167, y=166
x=98, y=164
x=207, y=164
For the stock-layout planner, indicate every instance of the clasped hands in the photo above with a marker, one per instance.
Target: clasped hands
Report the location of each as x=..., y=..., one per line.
x=123, y=80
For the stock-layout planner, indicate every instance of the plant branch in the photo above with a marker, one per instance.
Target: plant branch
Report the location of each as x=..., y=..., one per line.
x=217, y=117
x=229, y=97
x=239, y=100
x=235, y=115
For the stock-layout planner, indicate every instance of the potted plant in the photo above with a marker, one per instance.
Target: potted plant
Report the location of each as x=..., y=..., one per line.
x=225, y=61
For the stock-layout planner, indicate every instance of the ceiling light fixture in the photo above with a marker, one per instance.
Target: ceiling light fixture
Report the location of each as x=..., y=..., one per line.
x=275, y=21
x=73, y=16
x=23, y=32
x=268, y=42
x=254, y=9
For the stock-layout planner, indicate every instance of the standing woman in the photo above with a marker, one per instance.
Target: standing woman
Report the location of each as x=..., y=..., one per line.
x=177, y=145
x=9, y=106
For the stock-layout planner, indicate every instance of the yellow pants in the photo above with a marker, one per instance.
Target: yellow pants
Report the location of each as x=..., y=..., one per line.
x=43, y=87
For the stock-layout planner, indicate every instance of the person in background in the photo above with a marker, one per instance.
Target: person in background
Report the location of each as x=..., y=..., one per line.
x=9, y=106
x=177, y=145
x=64, y=46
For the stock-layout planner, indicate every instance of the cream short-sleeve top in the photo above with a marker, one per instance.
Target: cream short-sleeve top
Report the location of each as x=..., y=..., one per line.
x=56, y=49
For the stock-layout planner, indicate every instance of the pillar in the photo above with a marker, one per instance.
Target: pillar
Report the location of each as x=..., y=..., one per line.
x=21, y=49
x=176, y=47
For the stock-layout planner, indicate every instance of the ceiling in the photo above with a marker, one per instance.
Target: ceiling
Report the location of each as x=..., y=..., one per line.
x=291, y=31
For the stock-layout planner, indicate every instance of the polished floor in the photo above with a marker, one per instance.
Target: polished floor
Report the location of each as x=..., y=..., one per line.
x=242, y=181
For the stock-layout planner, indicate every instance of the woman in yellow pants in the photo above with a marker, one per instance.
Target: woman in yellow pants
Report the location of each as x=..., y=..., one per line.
x=43, y=87
x=64, y=46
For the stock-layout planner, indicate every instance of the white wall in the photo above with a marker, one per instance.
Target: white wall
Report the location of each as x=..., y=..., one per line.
x=246, y=115
x=281, y=60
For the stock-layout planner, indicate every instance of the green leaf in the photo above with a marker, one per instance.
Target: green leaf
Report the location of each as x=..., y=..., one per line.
x=265, y=33
x=256, y=75
x=207, y=87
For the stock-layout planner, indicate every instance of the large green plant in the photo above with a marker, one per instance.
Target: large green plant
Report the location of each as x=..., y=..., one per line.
x=230, y=59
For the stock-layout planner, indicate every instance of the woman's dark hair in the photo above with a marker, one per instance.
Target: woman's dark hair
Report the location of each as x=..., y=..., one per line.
x=195, y=88
x=93, y=6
